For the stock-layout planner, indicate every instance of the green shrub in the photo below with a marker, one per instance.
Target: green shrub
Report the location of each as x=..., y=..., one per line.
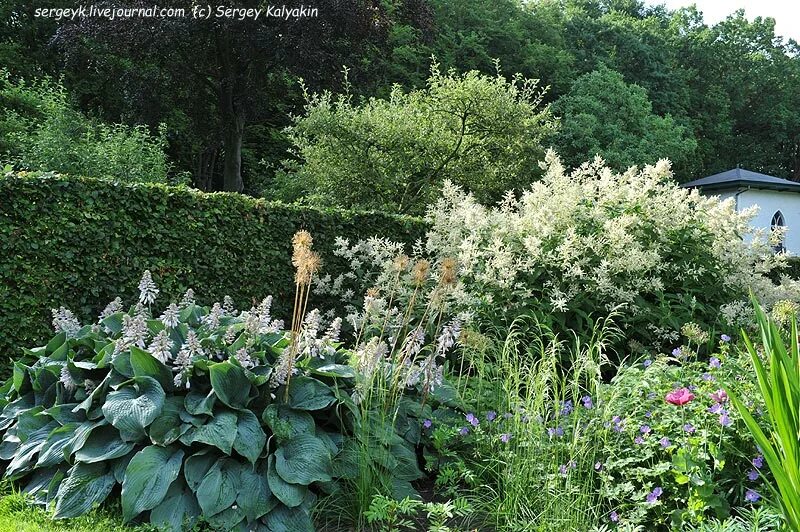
x=42, y=131
x=80, y=242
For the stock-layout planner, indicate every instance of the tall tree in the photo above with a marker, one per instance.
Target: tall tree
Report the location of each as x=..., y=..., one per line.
x=229, y=67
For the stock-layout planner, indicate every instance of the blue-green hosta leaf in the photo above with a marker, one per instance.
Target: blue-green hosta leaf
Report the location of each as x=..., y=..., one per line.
x=198, y=465
x=179, y=507
x=286, y=422
x=407, y=467
x=304, y=459
x=306, y=393
x=86, y=485
x=255, y=498
x=289, y=494
x=197, y=403
x=219, y=487
x=250, y=438
x=283, y=519
x=147, y=479
x=132, y=408
x=230, y=384
x=65, y=413
x=219, y=431
x=52, y=452
x=227, y=519
x=104, y=443
x=168, y=426
x=40, y=481
x=335, y=370
x=82, y=433
x=55, y=343
x=23, y=459
x=146, y=365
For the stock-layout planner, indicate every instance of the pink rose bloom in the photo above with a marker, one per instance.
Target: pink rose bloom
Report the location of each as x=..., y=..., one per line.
x=679, y=397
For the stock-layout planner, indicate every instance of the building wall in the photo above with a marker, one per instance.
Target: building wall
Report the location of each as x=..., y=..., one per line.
x=770, y=201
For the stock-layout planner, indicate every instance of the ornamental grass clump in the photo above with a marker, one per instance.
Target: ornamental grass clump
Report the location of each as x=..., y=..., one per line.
x=205, y=412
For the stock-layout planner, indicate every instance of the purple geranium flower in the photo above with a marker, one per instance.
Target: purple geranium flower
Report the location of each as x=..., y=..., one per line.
x=614, y=516
x=647, y=363
x=758, y=462
x=463, y=431
x=427, y=423
x=505, y=438
x=472, y=420
x=491, y=415
x=653, y=496
x=716, y=408
x=555, y=431
x=714, y=362
x=752, y=475
x=566, y=408
x=751, y=496
x=689, y=428
x=587, y=402
x=638, y=440
x=708, y=377
x=562, y=470
x=645, y=429
x=665, y=442
x=724, y=419
x=676, y=352
x=725, y=338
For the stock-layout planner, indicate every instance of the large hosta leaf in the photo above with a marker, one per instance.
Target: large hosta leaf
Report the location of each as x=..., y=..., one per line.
x=306, y=393
x=197, y=403
x=132, y=408
x=52, y=452
x=286, y=422
x=304, y=459
x=283, y=519
x=289, y=494
x=144, y=364
x=255, y=497
x=104, y=443
x=250, y=438
x=230, y=384
x=178, y=507
x=23, y=458
x=219, y=487
x=168, y=426
x=198, y=465
x=220, y=431
x=147, y=479
x=86, y=485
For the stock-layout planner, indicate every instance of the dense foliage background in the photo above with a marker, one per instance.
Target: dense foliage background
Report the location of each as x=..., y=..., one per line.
x=710, y=97
x=82, y=242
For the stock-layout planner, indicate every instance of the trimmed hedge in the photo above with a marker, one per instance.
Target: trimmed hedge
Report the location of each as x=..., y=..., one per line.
x=80, y=242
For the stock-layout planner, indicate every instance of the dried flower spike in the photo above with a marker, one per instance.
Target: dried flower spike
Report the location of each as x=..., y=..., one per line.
x=420, y=271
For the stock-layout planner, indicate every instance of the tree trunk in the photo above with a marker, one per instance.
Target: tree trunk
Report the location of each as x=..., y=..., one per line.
x=232, y=144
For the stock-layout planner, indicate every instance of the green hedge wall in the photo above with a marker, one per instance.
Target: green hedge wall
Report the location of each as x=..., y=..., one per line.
x=80, y=242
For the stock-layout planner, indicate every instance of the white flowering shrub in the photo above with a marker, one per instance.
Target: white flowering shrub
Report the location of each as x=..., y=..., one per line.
x=591, y=241
x=209, y=411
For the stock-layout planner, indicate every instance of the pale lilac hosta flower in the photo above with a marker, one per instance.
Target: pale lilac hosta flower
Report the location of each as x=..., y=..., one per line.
x=228, y=306
x=448, y=337
x=161, y=347
x=134, y=332
x=280, y=371
x=230, y=336
x=65, y=321
x=112, y=308
x=370, y=357
x=89, y=385
x=211, y=320
x=70, y=384
x=334, y=331
x=190, y=348
x=245, y=359
x=188, y=299
x=147, y=289
x=171, y=318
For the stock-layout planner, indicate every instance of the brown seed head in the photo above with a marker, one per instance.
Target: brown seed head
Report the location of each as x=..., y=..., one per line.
x=302, y=239
x=420, y=271
x=373, y=292
x=401, y=263
x=449, y=271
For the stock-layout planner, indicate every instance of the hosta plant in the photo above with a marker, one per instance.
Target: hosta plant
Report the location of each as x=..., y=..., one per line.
x=192, y=412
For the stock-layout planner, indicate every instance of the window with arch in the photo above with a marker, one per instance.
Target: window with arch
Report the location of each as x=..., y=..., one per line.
x=778, y=222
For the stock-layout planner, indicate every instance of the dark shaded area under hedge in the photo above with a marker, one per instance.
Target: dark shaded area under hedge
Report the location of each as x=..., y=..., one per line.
x=80, y=242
